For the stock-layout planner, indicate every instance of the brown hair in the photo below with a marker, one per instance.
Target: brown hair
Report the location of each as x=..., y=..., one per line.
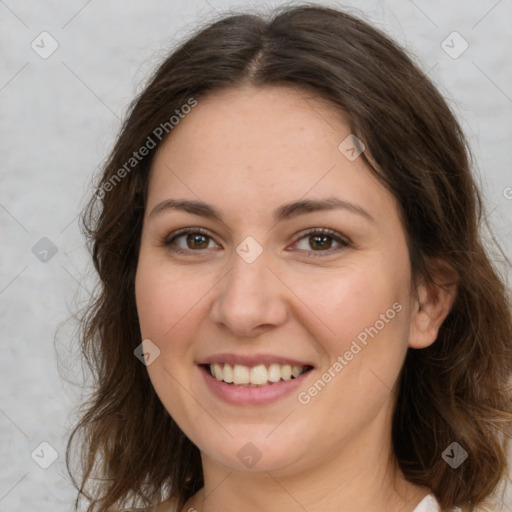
x=456, y=390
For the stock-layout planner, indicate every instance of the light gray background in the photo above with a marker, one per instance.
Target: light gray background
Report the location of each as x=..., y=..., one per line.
x=59, y=117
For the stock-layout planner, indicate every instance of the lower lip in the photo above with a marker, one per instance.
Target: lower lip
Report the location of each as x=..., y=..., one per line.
x=244, y=395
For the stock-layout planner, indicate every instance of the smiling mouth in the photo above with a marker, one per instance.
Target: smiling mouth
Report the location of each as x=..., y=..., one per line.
x=255, y=376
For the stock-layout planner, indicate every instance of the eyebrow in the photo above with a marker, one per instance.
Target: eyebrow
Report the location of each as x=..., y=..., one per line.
x=284, y=212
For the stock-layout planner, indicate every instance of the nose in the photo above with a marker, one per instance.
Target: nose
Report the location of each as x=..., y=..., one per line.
x=250, y=300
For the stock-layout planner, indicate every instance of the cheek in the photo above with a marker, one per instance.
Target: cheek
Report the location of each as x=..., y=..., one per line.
x=350, y=300
x=164, y=297
x=165, y=308
x=364, y=311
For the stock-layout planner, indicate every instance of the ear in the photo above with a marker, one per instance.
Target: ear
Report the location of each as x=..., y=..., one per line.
x=432, y=305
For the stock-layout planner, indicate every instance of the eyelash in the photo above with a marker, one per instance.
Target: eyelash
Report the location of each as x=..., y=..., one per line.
x=168, y=242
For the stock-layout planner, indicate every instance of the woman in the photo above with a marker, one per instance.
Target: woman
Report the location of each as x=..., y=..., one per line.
x=296, y=308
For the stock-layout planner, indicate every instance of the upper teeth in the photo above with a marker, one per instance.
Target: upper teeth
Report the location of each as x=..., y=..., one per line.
x=257, y=375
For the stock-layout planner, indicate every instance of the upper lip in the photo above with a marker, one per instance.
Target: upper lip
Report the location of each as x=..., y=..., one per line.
x=251, y=360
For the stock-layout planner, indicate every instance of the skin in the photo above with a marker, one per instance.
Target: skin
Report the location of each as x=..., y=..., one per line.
x=247, y=151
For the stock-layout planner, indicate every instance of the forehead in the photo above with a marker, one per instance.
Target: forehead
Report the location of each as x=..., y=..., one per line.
x=255, y=146
x=263, y=118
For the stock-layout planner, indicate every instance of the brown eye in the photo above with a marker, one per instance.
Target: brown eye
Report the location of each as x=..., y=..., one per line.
x=321, y=240
x=192, y=240
x=197, y=241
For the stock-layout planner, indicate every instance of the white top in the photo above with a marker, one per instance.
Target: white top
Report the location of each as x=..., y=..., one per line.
x=428, y=504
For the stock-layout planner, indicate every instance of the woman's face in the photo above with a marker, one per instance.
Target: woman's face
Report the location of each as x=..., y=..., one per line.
x=295, y=260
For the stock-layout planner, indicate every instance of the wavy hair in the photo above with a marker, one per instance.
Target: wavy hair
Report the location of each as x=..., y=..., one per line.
x=131, y=452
